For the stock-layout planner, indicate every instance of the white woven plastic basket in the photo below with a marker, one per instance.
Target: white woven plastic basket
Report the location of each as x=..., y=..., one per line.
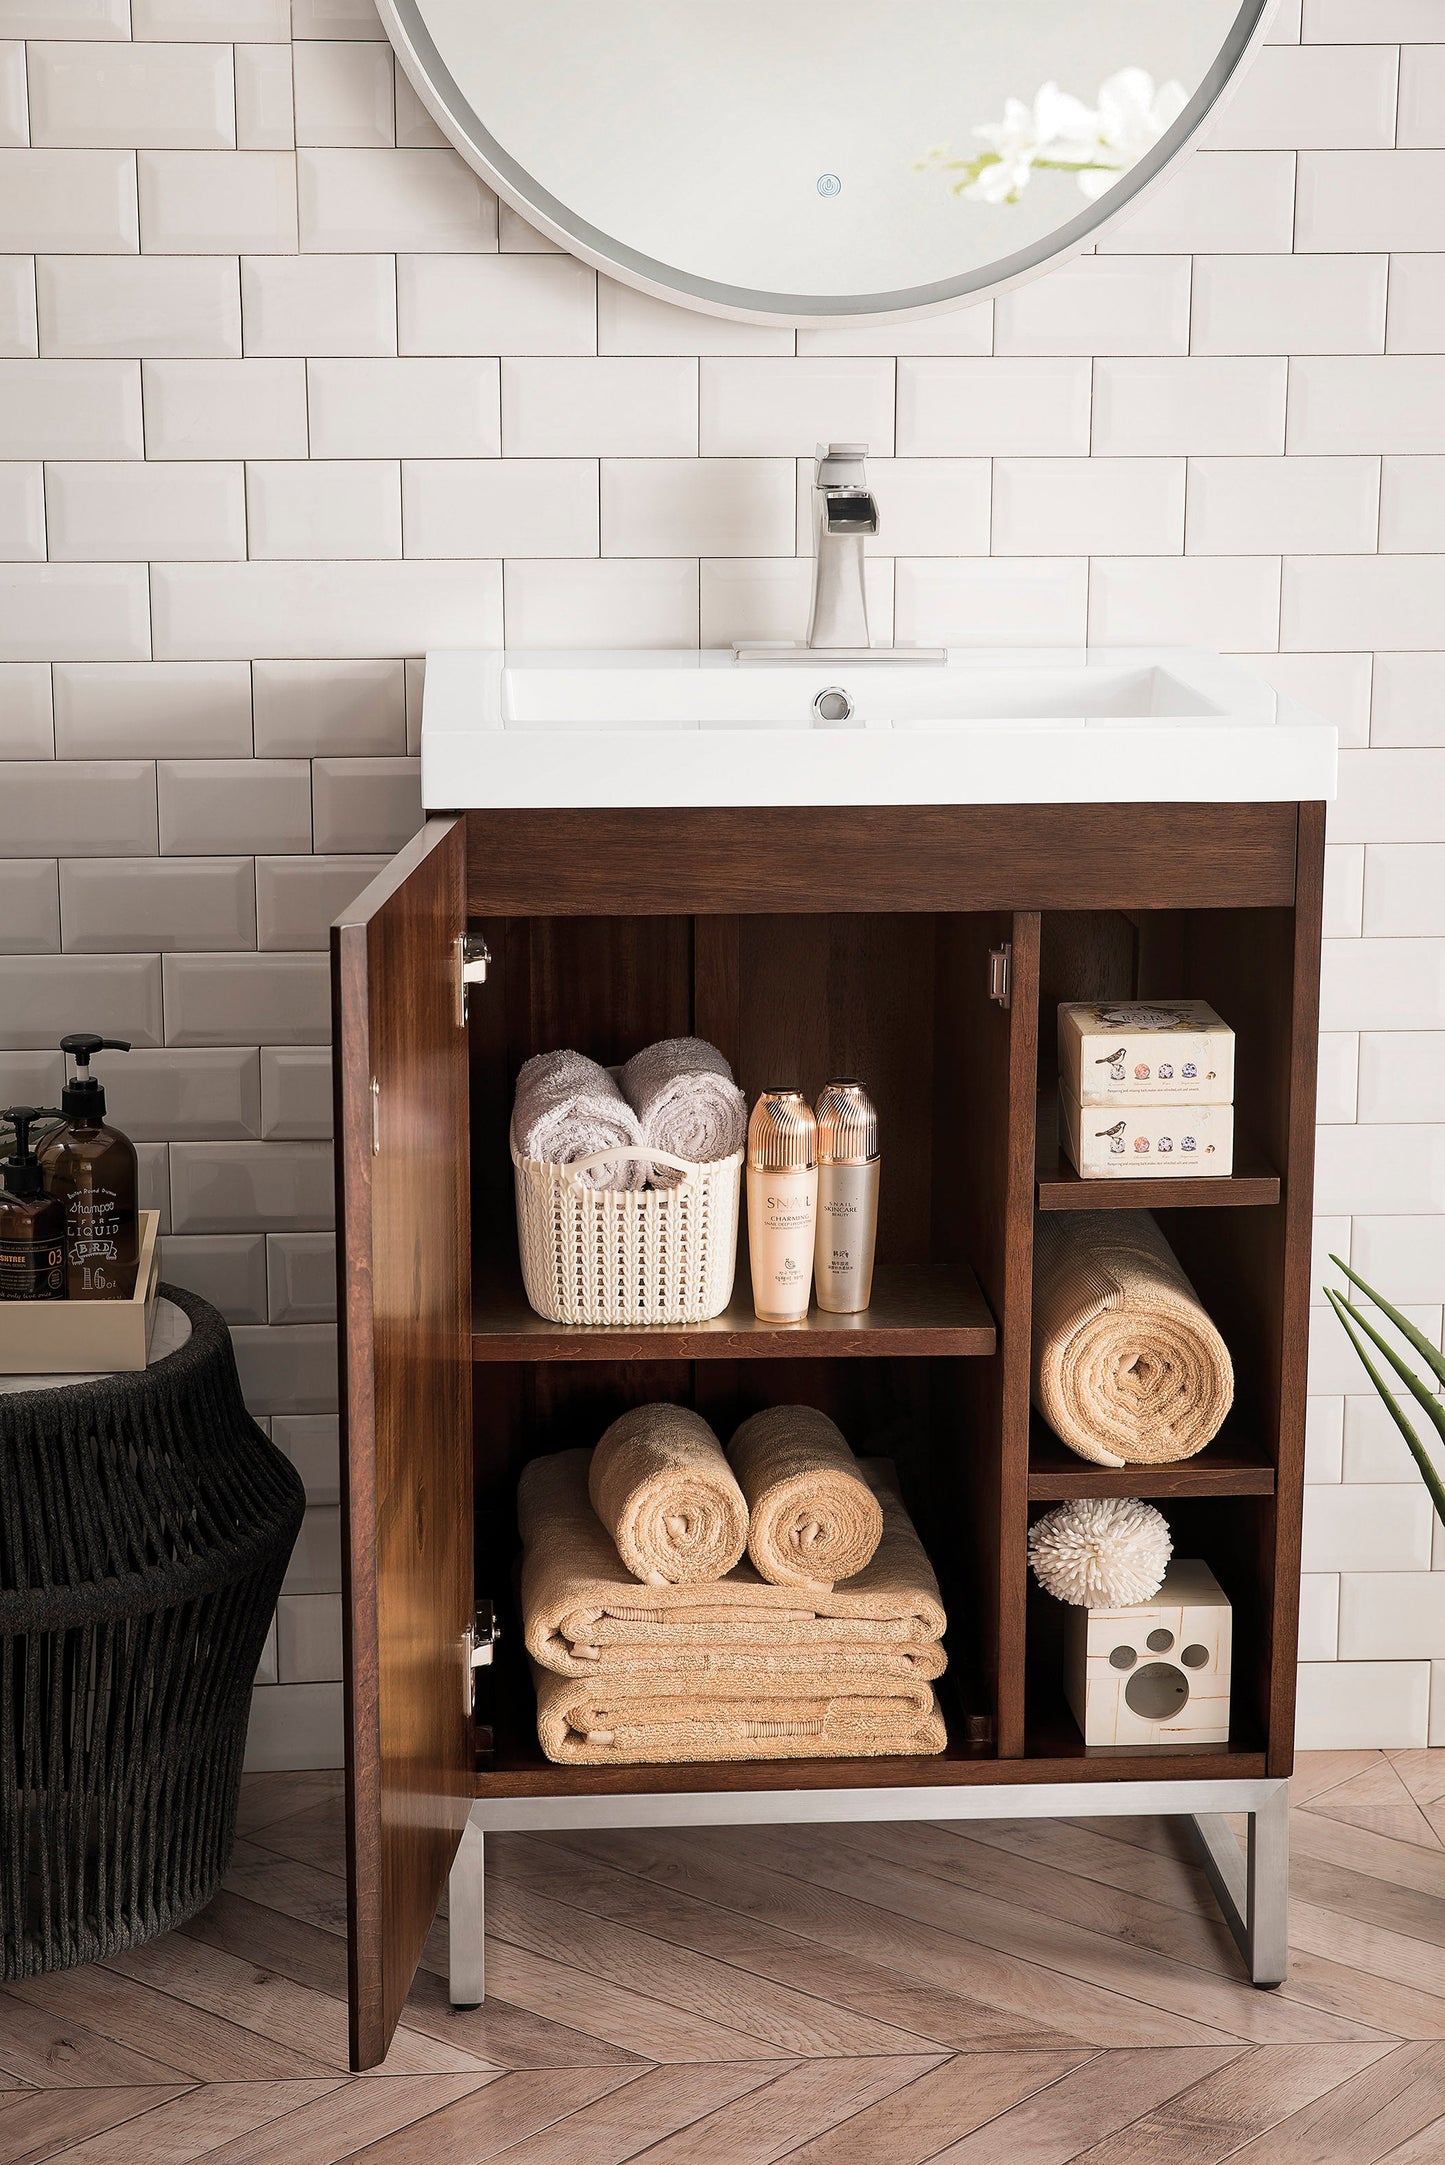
x=651, y=1255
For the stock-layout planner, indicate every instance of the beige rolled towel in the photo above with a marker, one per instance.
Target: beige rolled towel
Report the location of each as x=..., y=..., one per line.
x=817, y=1716
x=580, y=1609
x=1128, y=1369
x=812, y=1518
x=662, y=1487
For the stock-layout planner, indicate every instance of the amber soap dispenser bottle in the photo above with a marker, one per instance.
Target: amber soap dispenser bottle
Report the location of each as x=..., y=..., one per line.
x=90, y=1170
x=32, y=1224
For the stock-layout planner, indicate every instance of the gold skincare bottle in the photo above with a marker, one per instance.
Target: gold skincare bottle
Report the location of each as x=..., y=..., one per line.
x=782, y=1204
x=848, y=1168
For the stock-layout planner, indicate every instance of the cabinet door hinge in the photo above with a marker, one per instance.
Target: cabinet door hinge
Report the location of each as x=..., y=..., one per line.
x=1000, y=974
x=480, y=1638
x=473, y=959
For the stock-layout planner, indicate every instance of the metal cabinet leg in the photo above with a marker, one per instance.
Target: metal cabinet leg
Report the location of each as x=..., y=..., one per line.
x=1253, y=1889
x=467, y=1913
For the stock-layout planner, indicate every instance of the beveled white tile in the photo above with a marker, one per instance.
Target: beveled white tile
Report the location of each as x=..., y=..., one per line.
x=344, y=94
x=308, y=1626
x=633, y=322
x=26, y=729
x=64, y=18
x=139, y=305
x=1360, y=1527
x=324, y=507
x=991, y=409
x=293, y=611
x=120, y=993
x=223, y=999
x=1394, y=402
x=1345, y=22
x=1319, y=1616
x=1392, y=798
x=761, y=409
x=250, y=1187
x=1408, y=1256
x=152, y=710
x=74, y=612
x=1336, y=687
x=311, y=1442
x=1295, y=304
x=1226, y=202
x=14, y=115
x=307, y=708
x=182, y=1095
x=1098, y=304
x=220, y=201
x=335, y=19
x=499, y=507
x=295, y=1725
x=1344, y=891
x=29, y=906
x=1409, y=699
x=128, y=510
x=1362, y=601
x=319, y=305
x=301, y=1276
x=968, y=329
x=1375, y=199
x=1227, y=407
x=68, y=202
x=767, y=598
x=22, y=513
x=1390, y=984
x=1412, y=503
x=70, y=409
x=315, y=1564
x=573, y=408
x=227, y=21
x=365, y=804
x=1083, y=507
x=265, y=118
x=297, y=897
x=1374, y=1449
x=295, y=1092
x=1400, y=1074
x=1260, y=506
x=1311, y=97
x=223, y=409
x=404, y=409
x=613, y=602
x=1357, y=1705
x=1009, y=601
x=227, y=1269
x=496, y=304
x=293, y=1369
x=1391, y=1617
x=19, y=334
x=1185, y=601
x=114, y=905
x=132, y=96
x=392, y=201
x=1422, y=98
x=698, y=507
x=209, y=807
x=1396, y=1169
x=1417, y=304
x=415, y=128
x=1339, y=1065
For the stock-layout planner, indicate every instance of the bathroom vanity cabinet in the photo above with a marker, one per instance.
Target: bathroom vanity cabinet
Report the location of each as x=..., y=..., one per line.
x=923, y=948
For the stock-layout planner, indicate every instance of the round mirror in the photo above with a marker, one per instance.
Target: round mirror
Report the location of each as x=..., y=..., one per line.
x=796, y=162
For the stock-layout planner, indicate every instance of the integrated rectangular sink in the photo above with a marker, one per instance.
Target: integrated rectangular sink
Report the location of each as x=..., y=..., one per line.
x=1005, y=726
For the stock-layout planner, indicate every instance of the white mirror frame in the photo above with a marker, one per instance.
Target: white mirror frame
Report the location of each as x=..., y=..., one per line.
x=440, y=94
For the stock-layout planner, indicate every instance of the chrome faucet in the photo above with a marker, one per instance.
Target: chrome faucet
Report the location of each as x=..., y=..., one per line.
x=843, y=513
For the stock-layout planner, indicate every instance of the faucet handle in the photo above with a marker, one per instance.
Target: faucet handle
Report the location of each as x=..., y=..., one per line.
x=839, y=465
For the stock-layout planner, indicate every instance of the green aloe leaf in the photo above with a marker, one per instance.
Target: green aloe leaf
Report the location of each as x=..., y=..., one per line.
x=1418, y=1451
x=1402, y=1324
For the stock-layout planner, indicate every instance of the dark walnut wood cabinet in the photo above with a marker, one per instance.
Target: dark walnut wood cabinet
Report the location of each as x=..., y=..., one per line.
x=925, y=951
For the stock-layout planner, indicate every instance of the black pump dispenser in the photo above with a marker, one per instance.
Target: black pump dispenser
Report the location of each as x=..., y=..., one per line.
x=22, y=1174
x=83, y=1097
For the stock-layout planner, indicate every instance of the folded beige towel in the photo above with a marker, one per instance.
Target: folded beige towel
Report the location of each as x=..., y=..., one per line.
x=578, y=1605
x=663, y=1489
x=812, y=1518
x=817, y=1717
x=1127, y=1367
x=567, y=1107
x=682, y=1091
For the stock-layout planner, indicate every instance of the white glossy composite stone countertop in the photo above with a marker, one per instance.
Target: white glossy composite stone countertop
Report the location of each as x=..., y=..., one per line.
x=1052, y=725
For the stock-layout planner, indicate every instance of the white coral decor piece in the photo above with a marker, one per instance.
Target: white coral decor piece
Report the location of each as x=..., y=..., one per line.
x=1101, y=1553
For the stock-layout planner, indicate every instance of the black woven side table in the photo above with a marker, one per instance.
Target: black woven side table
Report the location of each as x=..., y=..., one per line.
x=145, y=1524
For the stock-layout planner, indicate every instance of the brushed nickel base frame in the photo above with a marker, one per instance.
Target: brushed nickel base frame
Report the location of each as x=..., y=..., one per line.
x=1251, y=1884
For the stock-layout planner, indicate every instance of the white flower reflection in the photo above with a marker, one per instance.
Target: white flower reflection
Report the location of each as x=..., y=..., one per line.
x=1058, y=133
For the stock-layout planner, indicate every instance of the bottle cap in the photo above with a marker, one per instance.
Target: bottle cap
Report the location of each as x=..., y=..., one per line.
x=847, y=1123
x=83, y=1097
x=23, y=1175
x=782, y=1134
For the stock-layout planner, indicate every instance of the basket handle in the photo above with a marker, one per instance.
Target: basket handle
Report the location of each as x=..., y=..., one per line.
x=576, y=1167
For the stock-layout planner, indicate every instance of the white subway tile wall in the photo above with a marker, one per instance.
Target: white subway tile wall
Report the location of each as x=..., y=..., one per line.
x=284, y=399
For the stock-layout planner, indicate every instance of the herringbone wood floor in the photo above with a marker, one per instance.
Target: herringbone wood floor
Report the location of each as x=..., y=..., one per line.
x=1004, y=1994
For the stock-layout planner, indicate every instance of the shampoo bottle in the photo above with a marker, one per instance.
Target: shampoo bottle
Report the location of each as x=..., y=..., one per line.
x=32, y=1224
x=848, y=1169
x=90, y=1170
x=782, y=1204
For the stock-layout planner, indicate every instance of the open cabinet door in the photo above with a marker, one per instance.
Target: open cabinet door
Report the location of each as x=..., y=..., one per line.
x=404, y=1236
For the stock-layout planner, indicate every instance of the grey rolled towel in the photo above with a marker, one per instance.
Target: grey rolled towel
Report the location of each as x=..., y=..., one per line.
x=567, y=1107
x=683, y=1093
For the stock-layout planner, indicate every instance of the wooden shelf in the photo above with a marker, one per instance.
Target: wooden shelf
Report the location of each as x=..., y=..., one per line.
x=1058, y=1186
x=1230, y=1466
x=914, y=1311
